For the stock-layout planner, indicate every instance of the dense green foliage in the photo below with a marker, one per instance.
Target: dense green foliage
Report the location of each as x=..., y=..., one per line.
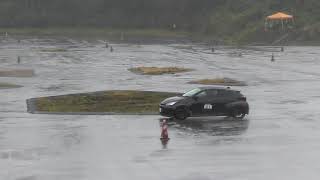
x=239, y=20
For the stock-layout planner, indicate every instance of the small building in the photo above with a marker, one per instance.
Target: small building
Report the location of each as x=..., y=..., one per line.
x=279, y=18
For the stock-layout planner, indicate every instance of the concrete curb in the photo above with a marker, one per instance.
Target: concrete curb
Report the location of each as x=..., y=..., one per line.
x=31, y=107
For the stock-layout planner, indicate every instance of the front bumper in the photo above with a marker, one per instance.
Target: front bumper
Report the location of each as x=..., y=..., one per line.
x=166, y=111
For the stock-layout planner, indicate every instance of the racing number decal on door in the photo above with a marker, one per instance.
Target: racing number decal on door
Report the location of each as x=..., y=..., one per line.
x=207, y=106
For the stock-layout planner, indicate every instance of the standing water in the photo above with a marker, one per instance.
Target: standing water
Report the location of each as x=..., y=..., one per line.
x=278, y=140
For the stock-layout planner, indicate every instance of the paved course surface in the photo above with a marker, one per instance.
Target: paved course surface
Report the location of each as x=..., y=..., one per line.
x=278, y=140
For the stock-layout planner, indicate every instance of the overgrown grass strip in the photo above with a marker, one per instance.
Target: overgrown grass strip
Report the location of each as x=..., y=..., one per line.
x=158, y=70
x=116, y=101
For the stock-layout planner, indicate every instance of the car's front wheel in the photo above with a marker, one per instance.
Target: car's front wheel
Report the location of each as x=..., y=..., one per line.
x=181, y=113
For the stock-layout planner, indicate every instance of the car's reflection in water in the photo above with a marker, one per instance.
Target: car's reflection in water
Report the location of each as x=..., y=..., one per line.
x=215, y=126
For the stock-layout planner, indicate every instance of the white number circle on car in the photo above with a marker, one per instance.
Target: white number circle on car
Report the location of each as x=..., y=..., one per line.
x=207, y=106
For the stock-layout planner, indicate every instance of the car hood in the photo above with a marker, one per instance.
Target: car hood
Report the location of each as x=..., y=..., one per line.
x=173, y=99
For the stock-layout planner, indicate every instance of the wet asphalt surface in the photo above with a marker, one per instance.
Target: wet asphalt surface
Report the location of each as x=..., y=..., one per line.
x=278, y=140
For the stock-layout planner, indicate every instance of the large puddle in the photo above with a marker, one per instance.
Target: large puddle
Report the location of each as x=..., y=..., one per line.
x=278, y=140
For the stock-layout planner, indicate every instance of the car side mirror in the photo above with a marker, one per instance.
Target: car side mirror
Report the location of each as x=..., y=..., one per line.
x=195, y=98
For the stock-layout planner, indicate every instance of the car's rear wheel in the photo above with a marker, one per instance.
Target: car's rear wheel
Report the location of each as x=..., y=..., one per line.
x=238, y=113
x=181, y=113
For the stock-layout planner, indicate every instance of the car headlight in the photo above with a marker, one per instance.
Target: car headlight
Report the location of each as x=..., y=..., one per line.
x=171, y=103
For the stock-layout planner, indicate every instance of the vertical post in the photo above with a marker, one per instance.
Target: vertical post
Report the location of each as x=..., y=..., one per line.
x=265, y=25
x=282, y=23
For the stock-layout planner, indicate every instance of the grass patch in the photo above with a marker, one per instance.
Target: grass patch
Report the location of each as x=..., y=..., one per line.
x=158, y=70
x=219, y=81
x=17, y=73
x=8, y=86
x=54, y=50
x=96, y=32
x=117, y=101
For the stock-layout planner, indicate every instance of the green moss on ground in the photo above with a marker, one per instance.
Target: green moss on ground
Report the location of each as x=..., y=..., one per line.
x=158, y=70
x=117, y=101
x=9, y=86
x=219, y=81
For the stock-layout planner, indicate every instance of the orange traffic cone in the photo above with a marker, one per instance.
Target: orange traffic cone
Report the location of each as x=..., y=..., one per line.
x=164, y=130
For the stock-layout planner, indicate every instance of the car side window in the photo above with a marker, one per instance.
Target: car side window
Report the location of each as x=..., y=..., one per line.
x=225, y=93
x=212, y=92
x=201, y=94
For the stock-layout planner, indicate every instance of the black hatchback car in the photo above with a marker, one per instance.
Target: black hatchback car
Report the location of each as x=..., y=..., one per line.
x=206, y=101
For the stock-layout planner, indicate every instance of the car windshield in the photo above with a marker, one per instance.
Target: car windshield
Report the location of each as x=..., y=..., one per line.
x=192, y=92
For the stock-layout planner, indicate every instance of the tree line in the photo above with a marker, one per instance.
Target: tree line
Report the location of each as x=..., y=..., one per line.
x=186, y=14
x=207, y=16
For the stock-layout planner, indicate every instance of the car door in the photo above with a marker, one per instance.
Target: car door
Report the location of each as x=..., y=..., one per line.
x=223, y=97
x=209, y=107
x=202, y=104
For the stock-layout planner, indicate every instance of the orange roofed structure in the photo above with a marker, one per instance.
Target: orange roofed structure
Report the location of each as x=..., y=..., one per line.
x=279, y=16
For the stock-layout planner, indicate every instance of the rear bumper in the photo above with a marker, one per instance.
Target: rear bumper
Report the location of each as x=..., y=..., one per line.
x=166, y=111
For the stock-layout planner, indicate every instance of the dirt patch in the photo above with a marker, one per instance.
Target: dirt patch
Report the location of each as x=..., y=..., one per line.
x=219, y=81
x=17, y=73
x=118, y=101
x=54, y=50
x=158, y=70
x=8, y=86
